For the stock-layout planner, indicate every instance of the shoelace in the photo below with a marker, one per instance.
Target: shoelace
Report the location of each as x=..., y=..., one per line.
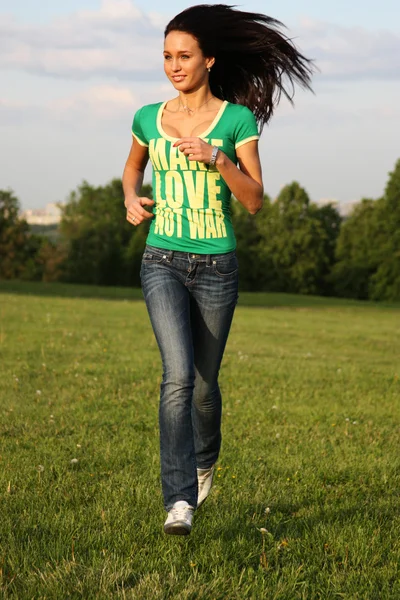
x=180, y=513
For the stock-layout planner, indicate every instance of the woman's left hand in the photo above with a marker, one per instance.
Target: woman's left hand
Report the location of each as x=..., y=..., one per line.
x=195, y=149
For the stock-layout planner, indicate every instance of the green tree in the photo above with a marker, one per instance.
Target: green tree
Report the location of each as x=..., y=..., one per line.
x=331, y=222
x=297, y=238
x=134, y=250
x=97, y=236
x=49, y=261
x=356, y=251
x=254, y=274
x=385, y=282
x=17, y=246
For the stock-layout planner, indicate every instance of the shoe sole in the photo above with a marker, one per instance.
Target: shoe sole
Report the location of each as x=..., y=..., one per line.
x=177, y=529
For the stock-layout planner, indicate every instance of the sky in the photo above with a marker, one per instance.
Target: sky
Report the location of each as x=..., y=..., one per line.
x=73, y=73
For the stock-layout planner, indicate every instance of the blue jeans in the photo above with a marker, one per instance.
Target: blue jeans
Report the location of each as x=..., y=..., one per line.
x=191, y=299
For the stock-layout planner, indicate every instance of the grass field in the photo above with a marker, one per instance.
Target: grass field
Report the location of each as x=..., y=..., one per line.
x=306, y=500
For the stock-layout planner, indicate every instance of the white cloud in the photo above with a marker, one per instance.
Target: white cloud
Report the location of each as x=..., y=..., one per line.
x=313, y=114
x=19, y=114
x=119, y=9
x=102, y=101
x=351, y=53
x=121, y=41
x=94, y=105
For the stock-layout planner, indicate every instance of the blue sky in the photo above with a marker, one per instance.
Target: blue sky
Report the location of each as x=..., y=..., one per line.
x=74, y=72
x=368, y=13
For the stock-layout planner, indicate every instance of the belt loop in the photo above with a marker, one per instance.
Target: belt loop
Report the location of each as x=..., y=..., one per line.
x=170, y=255
x=208, y=260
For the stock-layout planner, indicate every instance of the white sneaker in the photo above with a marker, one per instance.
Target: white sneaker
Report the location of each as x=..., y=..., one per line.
x=179, y=520
x=205, y=479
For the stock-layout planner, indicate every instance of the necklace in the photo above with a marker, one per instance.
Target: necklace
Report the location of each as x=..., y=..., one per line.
x=191, y=111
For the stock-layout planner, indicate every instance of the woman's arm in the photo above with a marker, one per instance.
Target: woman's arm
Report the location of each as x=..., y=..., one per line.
x=132, y=181
x=245, y=184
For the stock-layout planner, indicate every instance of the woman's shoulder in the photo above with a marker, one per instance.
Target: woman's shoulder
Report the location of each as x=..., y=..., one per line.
x=239, y=109
x=148, y=109
x=239, y=114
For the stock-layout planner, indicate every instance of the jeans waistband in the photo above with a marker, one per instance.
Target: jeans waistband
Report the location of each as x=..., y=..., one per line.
x=170, y=254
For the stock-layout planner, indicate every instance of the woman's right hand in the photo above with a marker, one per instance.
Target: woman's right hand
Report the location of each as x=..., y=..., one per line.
x=135, y=213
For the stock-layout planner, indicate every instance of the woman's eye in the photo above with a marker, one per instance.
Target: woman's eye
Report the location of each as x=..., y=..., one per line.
x=185, y=56
x=167, y=57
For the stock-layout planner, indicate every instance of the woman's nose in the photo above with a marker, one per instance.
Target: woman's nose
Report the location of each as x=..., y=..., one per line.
x=176, y=65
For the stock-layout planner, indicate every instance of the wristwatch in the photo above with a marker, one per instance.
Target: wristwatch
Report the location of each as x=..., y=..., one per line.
x=214, y=155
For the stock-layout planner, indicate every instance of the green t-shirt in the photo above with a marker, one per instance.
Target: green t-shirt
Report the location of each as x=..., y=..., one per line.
x=192, y=200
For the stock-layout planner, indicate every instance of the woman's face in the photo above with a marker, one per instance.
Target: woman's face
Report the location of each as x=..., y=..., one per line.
x=184, y=63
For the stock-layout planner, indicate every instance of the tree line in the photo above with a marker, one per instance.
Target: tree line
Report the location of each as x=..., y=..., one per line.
x=292, y=245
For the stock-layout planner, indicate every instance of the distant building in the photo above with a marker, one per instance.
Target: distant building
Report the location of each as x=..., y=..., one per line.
x=325, y=201
x=51, y=215
x=344, y=208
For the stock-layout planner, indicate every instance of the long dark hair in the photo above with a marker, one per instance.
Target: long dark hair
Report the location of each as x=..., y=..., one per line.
x=254, y=61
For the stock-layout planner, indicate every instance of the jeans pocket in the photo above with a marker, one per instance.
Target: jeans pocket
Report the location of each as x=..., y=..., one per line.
x=152, y=257
x=226, y=265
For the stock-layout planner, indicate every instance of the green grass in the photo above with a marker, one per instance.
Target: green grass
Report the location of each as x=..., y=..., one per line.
x=262, y=299
x=310, y=431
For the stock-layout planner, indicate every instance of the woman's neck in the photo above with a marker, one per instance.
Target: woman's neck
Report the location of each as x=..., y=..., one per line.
x=195, y=100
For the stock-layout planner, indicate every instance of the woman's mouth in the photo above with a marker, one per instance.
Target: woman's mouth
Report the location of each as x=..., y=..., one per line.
x=178, y=78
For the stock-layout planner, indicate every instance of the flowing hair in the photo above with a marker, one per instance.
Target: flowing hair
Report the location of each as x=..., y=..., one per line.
x=254, y=62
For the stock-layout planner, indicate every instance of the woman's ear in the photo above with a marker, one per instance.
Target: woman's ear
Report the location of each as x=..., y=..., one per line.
x=210, y=62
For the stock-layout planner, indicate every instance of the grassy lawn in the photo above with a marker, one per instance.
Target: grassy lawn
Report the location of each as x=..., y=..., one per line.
x=306, y=500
